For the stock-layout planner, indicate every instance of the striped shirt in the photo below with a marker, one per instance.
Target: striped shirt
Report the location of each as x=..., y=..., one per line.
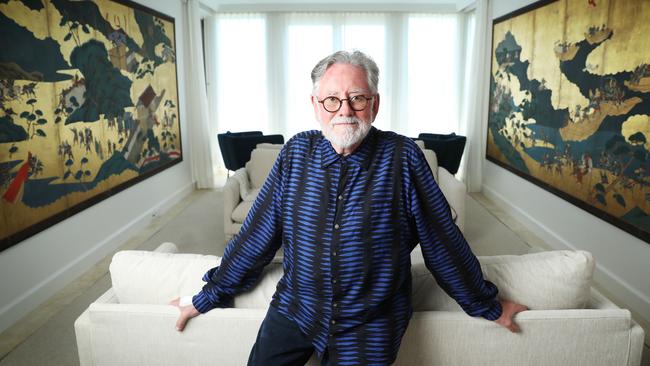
x=348, y=225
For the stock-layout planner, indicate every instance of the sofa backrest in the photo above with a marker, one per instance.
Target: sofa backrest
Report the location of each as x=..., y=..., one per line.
x=143, y=277
x=541, y=281
x=549, y=280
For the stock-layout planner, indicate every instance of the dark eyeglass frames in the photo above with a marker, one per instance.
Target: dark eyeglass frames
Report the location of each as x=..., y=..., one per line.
x=357, y=103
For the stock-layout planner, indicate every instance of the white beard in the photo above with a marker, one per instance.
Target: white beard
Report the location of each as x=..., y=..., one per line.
x=346, y=136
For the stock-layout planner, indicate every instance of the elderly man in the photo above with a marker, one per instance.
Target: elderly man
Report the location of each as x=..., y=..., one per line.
x=348, y=204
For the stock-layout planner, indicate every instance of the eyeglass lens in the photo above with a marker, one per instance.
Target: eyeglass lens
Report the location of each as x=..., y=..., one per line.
x=357, y=103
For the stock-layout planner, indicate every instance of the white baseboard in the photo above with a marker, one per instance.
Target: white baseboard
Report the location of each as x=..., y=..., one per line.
x=31, y=299
x=605, y=280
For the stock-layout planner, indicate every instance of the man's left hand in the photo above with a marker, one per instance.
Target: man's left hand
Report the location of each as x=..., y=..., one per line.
x=510, y=309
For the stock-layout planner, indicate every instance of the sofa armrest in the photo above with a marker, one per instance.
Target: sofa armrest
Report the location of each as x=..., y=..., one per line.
x=455, y=192
x=83, y=326
x=82, y=331
x=636, y=344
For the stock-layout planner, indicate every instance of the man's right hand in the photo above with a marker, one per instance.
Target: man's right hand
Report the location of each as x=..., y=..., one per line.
x=187, y=312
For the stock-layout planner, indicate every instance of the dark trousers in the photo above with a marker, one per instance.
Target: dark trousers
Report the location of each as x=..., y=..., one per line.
x=281, y=343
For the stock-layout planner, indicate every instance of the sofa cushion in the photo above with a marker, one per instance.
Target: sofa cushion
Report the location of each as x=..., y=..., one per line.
x=143, y=277
x=246, y=193
x=240, y=212
x=236, y=228
x=541, y=281
x=432, y=160
x=252, y=195
x=260, y=164
x=431, y=157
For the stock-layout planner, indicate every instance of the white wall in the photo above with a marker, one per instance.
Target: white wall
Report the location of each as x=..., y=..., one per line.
x=38, y=267
x=622, y=258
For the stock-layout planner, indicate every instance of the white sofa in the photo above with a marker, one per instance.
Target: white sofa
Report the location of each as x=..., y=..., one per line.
x=242, y=187
x=132, y=325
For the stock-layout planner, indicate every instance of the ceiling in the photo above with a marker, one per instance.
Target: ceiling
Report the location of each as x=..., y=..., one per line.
x=336, y=5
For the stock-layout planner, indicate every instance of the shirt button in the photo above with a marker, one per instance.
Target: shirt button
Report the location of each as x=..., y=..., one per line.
x=340, y=197
x=336, y=226
x=336, y=304
x=334, y=280
x=334, y=254
x=333, y=321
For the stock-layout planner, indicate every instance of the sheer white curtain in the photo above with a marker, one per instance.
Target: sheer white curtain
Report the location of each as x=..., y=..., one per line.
x=201, y=145
x=468, y=86
x=474, y=124
x=434, y=74
x=241, y=73
x=309, y=38
x=262, y=63
x=235, y=56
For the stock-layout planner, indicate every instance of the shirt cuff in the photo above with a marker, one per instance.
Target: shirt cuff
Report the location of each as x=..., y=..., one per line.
x=202, y=303
x=494, y=312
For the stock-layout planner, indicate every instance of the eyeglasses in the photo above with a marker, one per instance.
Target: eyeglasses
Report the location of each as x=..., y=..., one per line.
x=357, y=103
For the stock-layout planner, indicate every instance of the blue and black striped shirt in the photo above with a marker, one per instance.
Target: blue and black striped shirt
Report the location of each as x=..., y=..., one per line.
x=348, y=225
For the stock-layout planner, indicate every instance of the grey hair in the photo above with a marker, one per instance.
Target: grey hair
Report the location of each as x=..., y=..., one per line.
x=356, y=58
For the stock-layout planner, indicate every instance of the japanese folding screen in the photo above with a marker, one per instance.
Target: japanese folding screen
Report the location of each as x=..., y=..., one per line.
x=89, y=106
x=570, y=104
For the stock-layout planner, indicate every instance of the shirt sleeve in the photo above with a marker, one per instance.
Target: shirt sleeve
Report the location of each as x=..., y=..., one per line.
x=251, y=250
x=446, y=252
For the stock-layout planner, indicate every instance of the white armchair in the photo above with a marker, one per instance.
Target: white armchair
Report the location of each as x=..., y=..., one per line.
x=242, y=188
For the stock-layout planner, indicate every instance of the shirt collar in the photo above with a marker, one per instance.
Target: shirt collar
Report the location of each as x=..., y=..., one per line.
x=361, y=155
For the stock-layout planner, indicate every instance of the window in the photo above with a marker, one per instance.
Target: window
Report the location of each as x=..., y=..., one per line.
x=241, y=75
x=367, y=33
x=307, y=42
x=433, y=70
x=264, y=61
